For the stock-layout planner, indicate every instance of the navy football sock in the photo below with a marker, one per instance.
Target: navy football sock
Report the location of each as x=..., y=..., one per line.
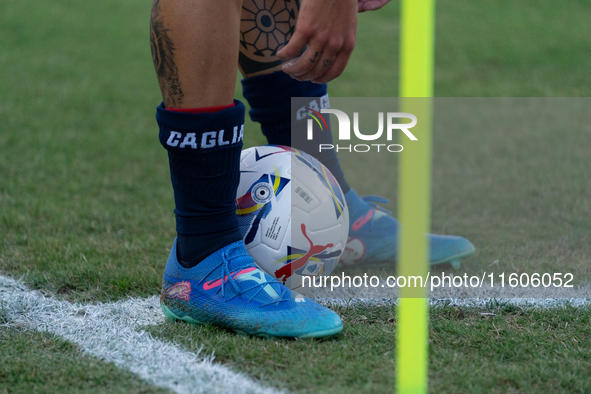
x=204, y=157
x=270, y=96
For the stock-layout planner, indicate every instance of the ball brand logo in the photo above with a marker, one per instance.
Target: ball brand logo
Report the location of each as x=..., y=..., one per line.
x=288, y=269
x=344, y=133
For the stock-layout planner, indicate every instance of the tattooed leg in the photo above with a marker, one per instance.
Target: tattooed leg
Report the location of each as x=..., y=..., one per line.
x=265, y=27
x=163, y=52
x=195, y=51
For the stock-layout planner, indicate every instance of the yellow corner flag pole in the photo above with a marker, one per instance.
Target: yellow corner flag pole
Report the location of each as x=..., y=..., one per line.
x=414, y=202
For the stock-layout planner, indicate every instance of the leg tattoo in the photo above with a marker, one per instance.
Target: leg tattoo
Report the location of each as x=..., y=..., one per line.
x=265, y=27
x=163, y=56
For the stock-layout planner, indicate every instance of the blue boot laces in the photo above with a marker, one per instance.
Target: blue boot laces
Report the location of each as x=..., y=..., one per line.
x=225, y=273
x=374, y=200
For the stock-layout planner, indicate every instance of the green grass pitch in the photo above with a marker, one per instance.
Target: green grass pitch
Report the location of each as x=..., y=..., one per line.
x=86, y=203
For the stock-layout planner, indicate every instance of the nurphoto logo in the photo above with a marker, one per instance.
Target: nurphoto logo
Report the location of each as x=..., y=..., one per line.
x=344, y=133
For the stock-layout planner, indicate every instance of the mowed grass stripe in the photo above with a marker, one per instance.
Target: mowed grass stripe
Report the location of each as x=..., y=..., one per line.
x=492, y=348
x=38, y=362
x=85, y=197
x=459, y=330
x=113, y=332
x=86, y=204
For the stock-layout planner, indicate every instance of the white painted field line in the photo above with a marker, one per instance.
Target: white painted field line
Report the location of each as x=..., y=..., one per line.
x=541, y=303
x=578, y=296
x=112, y=332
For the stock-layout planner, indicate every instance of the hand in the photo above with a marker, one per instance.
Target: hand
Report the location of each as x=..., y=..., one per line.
x=328, y=27
x=371, y=5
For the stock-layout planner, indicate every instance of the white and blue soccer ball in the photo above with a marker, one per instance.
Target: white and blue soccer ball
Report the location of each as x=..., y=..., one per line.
x=292, y=213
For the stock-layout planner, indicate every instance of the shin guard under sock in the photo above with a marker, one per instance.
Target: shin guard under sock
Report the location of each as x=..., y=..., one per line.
x=204, y=157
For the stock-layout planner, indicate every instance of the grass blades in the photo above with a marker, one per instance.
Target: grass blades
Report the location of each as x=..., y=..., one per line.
x=36, y=362
x=86, y=203
x=500, y=349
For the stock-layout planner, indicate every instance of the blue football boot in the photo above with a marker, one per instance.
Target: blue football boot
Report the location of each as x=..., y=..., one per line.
x=229, y=290
x=373, y=231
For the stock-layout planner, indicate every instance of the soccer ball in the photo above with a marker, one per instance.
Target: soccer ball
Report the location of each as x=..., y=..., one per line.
x=291, y=212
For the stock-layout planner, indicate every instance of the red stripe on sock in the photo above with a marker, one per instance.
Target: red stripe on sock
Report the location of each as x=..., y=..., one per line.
x=206, y=110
